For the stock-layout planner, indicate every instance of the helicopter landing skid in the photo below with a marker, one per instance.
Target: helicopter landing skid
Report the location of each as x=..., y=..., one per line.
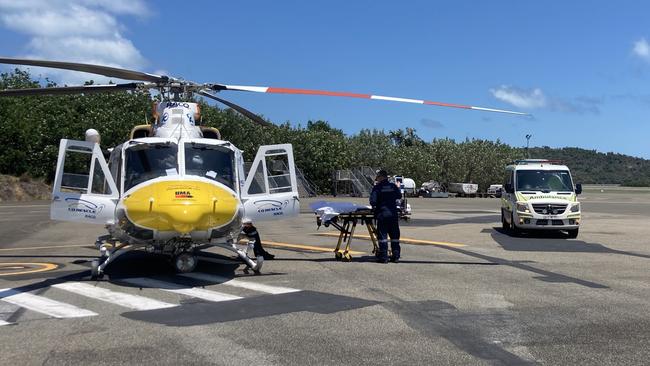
x=255, y=265
x=98, y=265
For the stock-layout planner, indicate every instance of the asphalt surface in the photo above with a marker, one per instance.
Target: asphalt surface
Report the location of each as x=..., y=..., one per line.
x=466, y=293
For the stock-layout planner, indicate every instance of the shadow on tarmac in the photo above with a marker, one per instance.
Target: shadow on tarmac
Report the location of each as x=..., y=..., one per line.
x=373, y=259
x=551, y=241
x=484, y=219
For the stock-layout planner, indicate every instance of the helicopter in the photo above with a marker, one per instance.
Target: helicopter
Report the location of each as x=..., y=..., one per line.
x=174, y=187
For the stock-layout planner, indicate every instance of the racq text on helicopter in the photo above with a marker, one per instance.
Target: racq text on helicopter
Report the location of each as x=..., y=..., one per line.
x=174, y=187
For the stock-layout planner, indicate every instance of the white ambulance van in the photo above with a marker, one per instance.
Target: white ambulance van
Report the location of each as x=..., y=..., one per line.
x=539, y=194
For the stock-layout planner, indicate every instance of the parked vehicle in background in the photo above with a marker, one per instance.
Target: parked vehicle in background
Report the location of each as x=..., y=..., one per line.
x=494, y=190
x=539, y=194
x=432, y=189
x=463, y=189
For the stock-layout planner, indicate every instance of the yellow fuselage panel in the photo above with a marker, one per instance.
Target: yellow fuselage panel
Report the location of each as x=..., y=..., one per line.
x=181, y=206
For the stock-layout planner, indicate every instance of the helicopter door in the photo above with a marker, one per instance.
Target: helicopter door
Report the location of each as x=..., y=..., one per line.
x=84, y=190
x=271, y=188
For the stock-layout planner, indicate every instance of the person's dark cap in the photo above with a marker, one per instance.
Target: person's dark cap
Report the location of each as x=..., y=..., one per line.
x=382, y=173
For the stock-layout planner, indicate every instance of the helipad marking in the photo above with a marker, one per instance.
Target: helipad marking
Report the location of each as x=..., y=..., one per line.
x=275, y=290
x=43, y=305
x=196, y=292
x=305, y=247
x=118, y=298
x=43, y=267
x=403, y=240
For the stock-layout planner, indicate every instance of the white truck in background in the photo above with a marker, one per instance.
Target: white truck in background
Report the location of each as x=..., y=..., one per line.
x=463, y=189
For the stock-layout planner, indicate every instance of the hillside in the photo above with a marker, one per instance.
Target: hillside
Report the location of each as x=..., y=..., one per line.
x=592, y=167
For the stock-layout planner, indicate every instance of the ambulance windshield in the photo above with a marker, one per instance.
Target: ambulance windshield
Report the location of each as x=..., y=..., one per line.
x=544, y=180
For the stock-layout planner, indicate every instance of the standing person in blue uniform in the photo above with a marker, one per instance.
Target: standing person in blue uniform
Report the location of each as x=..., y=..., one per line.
x=383, y=200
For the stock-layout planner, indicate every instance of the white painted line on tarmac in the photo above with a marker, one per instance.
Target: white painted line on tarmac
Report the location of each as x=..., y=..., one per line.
x=275, y=290
x=118, y=298
x=198, y=293
x=20, y=206
x=43, y=305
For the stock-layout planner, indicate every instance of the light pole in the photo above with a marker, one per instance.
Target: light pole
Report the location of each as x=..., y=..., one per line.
x=527, y=145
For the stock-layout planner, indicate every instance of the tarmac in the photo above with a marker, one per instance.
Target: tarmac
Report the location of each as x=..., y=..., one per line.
x=464, y=293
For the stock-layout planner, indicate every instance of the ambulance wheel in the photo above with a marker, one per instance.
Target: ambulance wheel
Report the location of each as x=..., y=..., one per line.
x=94, y=269
x=504, y=224
x=338, y=255
x=185, y=262
x=513, y=227
x=573, y=233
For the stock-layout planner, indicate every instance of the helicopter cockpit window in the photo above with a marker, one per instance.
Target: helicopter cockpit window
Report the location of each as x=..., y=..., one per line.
x=144, y=162
x=210, y=161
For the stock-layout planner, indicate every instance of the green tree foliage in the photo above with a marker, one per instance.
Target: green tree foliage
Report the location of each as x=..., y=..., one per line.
x=32, y=127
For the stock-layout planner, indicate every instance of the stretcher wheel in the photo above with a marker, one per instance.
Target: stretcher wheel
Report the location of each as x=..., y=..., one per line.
x=338, y=255
x=347, y=257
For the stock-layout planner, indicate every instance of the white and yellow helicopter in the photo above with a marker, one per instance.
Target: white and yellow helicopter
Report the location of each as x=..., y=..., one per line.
x=174, y=187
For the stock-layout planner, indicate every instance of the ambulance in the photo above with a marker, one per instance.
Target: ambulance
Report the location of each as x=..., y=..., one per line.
x=539, y=194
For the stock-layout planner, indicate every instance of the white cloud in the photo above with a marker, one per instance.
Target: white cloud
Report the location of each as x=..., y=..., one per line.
x=521, y=98
x=642, y=49
x=536, y=99
x=77, y=30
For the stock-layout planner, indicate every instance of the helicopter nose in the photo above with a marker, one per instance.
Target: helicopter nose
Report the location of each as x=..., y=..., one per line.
x=181, y=206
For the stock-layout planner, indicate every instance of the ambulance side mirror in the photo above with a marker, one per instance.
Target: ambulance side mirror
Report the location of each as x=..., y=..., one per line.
x=509, y=188
x=578, y=188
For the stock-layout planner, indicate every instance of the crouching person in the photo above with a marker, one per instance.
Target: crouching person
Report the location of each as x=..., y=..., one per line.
x=250, y=232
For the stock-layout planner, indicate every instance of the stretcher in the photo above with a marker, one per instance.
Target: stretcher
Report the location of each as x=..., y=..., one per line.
x=345, y=217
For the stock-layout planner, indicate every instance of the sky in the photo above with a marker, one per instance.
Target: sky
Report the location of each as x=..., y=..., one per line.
x=581, y=68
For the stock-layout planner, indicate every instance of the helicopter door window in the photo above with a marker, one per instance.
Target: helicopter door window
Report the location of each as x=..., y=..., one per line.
x=99, y=184
x=257, y=185
x=144, y=162
x=277, y=166
x=75, y=176
x=210, y=161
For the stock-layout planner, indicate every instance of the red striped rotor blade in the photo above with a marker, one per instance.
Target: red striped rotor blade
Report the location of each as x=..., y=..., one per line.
x=275, y=90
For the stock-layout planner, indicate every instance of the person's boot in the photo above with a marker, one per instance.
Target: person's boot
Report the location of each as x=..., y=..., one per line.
x=268, y=256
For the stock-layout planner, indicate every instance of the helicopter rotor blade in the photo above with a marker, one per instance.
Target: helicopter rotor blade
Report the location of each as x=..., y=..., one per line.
x=113, y=72
x=85, y=89
x=274, y=90
x=250, y=115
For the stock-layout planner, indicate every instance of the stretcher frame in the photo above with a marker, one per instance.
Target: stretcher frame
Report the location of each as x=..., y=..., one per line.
x=346, y=224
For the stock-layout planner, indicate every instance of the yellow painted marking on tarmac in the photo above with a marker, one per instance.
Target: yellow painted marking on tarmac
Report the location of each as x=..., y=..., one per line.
x=47, y=247
x=304, y=247
x=54, y=246
x=404, y=240
x=42, y=267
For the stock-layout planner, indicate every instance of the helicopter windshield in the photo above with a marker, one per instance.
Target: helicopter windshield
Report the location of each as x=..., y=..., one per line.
x=148, y=161
x=210, y=161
